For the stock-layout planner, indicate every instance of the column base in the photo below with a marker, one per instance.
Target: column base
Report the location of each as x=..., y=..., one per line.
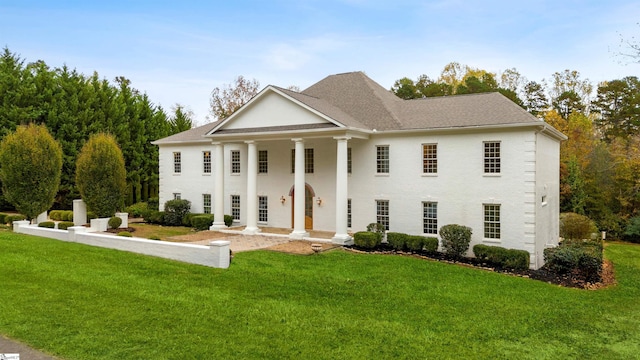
x=251, y=230
x=342, y=239
x=217, y=226
x=298, y=235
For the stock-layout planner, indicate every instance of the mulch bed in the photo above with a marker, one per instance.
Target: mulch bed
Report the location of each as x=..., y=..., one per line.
x=568, y=280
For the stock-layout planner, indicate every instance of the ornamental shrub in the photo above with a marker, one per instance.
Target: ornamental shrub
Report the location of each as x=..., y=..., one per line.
x=502, y=257
x=175, y=210
x=67, y=215
x=397, y=241
x=137, y=210
x=31, y=168
x=455, y=239
x=64, y=225
x=2, y=218
x=228, y=220
x=153, y=203
x=154, y=217
x=125, y=234
x=377, y=228
x=576, y=227
x=202, y=222
x=415, y=243
x=55, y=215
x=367, y=239
x=430, y=244
x=101, y=175
x=15, y=217
x=580, y=258
x=91, y=215
x=632, y=230
x=114, y=222
x=47, y=224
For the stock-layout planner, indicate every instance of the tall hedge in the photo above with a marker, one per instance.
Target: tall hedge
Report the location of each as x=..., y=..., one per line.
x=101, y=175
x=30, y=168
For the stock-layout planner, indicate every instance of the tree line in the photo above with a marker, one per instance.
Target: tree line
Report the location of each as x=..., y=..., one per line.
x=73, y=106
x=599, y=163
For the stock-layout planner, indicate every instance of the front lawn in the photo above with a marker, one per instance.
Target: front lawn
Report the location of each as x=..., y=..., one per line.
x=81, y=302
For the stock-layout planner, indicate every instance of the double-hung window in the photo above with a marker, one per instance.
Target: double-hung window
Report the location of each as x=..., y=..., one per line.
x=382, y=159
x=235, y=207
x=206, y=203
x=382, y=213
x=308, y=161
x=263, y=162
x=491, y=221
x=430, y=217
x=177, y=162
x=206, y=162
x=263, y=210
x=491, y=157
x=235, y=161
x=430, y=158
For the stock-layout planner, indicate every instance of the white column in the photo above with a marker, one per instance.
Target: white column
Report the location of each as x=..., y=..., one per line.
x=218, y=210
x=299, y=191
x=252, y=189
x=342, y=178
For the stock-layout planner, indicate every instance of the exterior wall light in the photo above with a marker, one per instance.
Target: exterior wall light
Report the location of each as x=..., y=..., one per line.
x=319, y=201
x=283, y=199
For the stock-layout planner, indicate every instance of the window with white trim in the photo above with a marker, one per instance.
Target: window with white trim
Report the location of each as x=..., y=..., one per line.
x=263, y=162
x=308, y=161
x=206, y=203
x=206, y=162
x=492, y=157
x=235, y=161
x=177, y=162
x=430, y=158
x=177, y=196
x=263, y=210
x=382, y=213
x=349, y=161
x=430, y=217
x=382, y=159
x=235, y=207
x=491, y=221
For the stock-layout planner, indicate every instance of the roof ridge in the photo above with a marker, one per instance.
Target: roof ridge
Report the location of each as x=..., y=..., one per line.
x=373, y=85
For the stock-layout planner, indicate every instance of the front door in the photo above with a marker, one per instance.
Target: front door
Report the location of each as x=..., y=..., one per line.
x=308, y=207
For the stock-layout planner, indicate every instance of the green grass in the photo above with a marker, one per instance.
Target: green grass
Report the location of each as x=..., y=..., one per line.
x=80, y=302
x=150, y=231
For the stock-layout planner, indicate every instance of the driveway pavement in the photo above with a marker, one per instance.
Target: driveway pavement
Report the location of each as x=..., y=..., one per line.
x=9, y=346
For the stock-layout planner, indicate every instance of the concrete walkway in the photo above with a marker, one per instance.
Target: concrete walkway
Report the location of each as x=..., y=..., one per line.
x=9, y=346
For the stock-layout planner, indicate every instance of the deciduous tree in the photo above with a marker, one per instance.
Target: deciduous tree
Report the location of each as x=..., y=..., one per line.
x=226, y=100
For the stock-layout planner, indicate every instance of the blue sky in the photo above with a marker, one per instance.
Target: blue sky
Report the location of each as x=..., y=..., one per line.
x=178, y=51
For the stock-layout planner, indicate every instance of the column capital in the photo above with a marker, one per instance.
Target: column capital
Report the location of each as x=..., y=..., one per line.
x=216, y=143
x=250, y=142
x=297, y=140
x=345, y=138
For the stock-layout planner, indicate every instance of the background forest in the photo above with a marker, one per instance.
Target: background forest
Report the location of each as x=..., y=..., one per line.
x=600, y=162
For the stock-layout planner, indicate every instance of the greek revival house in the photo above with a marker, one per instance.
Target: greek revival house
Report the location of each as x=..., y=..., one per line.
x=346, y=152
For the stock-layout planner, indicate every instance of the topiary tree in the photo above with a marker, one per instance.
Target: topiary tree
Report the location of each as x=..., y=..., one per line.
x=30, y=168
x=455, y=239
x=101, y=175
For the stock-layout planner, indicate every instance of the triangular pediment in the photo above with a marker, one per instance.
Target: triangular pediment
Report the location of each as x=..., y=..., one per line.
x=273, y=109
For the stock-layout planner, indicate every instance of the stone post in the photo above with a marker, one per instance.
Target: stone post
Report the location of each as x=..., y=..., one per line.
x=42, y=217
x=221, y=254
x=79, y=212
x=125, y=220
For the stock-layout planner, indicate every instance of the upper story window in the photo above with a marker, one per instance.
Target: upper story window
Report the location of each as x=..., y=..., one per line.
x=308, y=161
x=491, y=221
x=349, y=161
x=430, y=158
x=382, y=159
x=235, y=161
x=491, y=157
x=177, y=162
x=263, y=162
x=206, y=162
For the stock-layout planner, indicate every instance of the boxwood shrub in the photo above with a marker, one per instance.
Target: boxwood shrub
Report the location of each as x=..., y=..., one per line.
x=398, y=241
x=228, y=220
x=55, y=215
x=367, y=239
x=2, y=218
x=455, y=239
x=202, y=222
x=175, y=210
x=431, y=244
x=154, y=217
x=125, y=234
x=501, y=257
x=67, y=215
x=377, y=228
x=114, y=222
x=581, y=258
x=64, y=225
x=47, y=224
x=14, y=217
x=415, y=243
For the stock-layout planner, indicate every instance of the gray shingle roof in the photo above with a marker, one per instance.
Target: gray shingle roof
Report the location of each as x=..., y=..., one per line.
x=354, y=100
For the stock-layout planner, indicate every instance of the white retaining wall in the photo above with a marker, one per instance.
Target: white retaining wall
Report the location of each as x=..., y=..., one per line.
x=215, y=255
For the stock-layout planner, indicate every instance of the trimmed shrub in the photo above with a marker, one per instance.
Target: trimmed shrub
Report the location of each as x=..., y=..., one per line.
x=228, y=220
x=125, y=234
x=517, y=259
x=154, y=217
x=2, y=218
x=114, y=222
x=576, y=227
x=367, y=239
x=153, y=203
x=67, y=215
x=186, y=219
x=202, y=222
x=398, y=241
x=455, y=239
x=583, y=259
x=502, y=257
x=55, y=215
x=175, y=210
x=430, y=244
x=377, y=228
x=137, y=210
x=47, y=224
x=15, y=217
x=64, y=225
x=415, y=243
